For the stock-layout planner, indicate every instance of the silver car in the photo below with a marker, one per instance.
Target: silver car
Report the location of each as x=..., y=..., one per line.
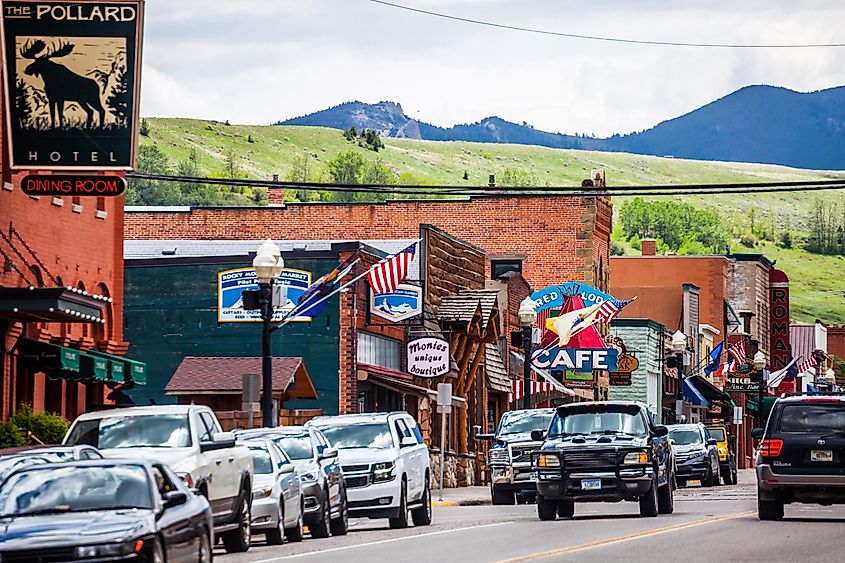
x=277, y=498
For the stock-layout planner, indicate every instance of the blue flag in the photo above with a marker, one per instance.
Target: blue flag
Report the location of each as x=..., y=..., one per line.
x=715, y=356
x=312, y=302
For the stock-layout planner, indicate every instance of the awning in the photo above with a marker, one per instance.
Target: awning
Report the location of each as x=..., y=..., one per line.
x=707, y=389
x=50, y=304
x=122, y=369
x=46, y=356
x=497, y=375
x=93, y=367
x=693, y=395
x=379, y=376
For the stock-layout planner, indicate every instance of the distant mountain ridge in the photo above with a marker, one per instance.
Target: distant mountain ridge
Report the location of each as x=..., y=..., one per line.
x=762, y=124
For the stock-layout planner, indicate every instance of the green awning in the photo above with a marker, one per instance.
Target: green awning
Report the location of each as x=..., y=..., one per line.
x=137, y=371
x=94, y=367
x=124, y=369
x=46, y=356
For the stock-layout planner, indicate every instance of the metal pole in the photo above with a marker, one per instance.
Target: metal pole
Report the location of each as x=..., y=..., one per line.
x=760, y=399
x=679, y=401
x=442, y=449
x=526, y=365
x=266, y=300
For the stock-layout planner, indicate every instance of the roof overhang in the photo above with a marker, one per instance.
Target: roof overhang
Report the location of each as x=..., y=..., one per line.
x=50, y=304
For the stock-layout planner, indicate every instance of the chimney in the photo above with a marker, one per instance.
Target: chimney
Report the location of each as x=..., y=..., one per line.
x=649, y=247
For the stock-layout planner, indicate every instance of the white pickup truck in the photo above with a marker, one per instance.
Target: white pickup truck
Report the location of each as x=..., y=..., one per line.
x=189, y=439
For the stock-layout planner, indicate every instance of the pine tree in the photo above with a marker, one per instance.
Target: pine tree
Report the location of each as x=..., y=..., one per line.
x=118, y=100
x=22, y=104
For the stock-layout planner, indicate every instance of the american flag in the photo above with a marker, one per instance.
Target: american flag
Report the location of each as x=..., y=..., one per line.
x=807, y=364
x=610, y=308
x=389, y=272
x=738, y=352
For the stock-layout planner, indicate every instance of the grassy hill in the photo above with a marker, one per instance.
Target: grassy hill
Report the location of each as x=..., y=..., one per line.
x=261, y=151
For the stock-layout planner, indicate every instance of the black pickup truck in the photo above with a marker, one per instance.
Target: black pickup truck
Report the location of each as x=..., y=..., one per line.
x=603, y=452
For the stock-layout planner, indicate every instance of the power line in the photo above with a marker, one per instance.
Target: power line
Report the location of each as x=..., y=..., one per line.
x=608, y=39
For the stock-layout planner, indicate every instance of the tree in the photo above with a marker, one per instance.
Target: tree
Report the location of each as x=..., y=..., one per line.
x=145, y=128
x=151, y=160
x=118, y=100
x=231, y=163
x=377, y=173
x=346, y=167
x=679, y=226
x=517, y=177
x=300, y=170
x=23, y=105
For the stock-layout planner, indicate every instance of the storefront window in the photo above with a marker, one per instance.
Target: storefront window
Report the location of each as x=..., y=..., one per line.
x=380, y=351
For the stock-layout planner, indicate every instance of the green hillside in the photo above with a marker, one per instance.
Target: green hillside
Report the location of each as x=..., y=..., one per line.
x=215, y=149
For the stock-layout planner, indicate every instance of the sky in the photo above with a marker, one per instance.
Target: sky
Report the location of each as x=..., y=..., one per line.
x=260, y=61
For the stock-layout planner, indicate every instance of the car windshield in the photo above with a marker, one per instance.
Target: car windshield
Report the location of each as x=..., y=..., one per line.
x=523, y=422
x=598, y=419
x=717, y=434
x=297, y=447
x=359, y=435
x=77, y=488
x=137, y=431
x=261, y=460
x=685, y=437
x=809, y=417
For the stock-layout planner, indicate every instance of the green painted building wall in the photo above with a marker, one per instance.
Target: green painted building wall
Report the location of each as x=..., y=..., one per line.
x=171, y=312
x=644, y=339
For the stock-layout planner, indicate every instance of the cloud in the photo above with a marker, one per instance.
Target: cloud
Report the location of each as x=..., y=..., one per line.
x=258, y=61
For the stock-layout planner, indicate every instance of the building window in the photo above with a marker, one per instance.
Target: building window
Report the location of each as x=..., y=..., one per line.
x=380, y=351
x=499, y=268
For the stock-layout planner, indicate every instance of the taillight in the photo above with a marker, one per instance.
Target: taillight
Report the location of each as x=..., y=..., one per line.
x=771, y=448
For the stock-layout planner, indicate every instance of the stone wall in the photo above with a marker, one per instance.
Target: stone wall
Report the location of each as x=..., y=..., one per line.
x=460, y=470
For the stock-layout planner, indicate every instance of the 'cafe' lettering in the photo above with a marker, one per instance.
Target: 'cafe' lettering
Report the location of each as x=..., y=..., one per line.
x=577, y=359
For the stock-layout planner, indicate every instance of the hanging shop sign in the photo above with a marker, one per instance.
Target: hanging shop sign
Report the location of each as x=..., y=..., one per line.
x=72, y=72
x=552, y=297
x=232, y=283
x=779, y=355
x=576, y=359
x=743, y=383
x=577, y=379
x=625, y=363
x=66, y=185
x=428, y=356
x=403, y=303
x=620, y=378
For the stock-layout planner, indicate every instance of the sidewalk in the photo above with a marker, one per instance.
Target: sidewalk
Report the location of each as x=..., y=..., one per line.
x=461, y=496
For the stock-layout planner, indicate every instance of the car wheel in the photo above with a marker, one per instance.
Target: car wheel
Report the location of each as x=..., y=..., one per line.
x=681, y=482
x=708, y=479
x=276, y=536
x=666, y=498
x=340, y=525
x=546, y=509
x=296, y=533
x=422, y=515
x=769, y=509
x=321, y=528
x=566, y=508
x=205, y=548
x=158, y=553
x=401, y=520
x=717, y=478
x=502, y=497
x=237, y=540
x=648, y=503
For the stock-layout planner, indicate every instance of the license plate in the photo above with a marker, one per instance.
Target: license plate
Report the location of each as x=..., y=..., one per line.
x=821, y=455
x=590, y=484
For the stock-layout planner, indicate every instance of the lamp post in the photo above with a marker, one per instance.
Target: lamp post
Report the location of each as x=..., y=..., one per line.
x=268, y=266
x=527, y=315
x=679, y=345
x=759, y=366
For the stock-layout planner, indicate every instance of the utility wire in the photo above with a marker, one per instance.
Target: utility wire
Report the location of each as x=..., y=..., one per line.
x=608, y=39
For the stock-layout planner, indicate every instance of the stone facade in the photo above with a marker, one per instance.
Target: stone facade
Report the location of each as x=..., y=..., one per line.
x=748, y=291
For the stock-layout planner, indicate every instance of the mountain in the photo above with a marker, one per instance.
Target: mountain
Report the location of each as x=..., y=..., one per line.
x=761, y=124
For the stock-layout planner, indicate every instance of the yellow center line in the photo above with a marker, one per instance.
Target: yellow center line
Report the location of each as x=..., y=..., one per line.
x=621, y=539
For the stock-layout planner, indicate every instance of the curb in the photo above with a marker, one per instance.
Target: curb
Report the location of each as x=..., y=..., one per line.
x=465, y=502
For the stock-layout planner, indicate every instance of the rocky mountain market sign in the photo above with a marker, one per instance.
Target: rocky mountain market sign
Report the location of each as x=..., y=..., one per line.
x=428, y=356
x=71, y=75
x=403, y=303
x=232, y=283
x=576, y=359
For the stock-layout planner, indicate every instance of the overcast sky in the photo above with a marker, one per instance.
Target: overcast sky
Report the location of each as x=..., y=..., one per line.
x=258, y=61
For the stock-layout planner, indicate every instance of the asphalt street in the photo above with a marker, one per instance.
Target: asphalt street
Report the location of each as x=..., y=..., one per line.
x=716, y=524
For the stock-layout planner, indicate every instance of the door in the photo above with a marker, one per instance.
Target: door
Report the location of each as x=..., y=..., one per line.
x=411, y=459
x=181, y=540
x=216, y=486
x=330, y=467
x=420, y=458
x=288, y=483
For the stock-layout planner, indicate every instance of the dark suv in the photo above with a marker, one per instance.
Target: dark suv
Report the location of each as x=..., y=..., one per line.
x=603, y=452
x=801, y=457
x=696, y=455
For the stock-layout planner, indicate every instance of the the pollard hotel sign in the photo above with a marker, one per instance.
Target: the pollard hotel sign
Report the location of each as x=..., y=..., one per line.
x=71, y=76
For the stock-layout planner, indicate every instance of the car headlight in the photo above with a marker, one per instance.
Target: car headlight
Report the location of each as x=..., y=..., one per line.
x=698, y=456
x=548, y=460
x=109, y=549
x=308, y=477
x=635, y=458
x=186, y=477
x=722, y=451
x=383, y=472
x=263, y=492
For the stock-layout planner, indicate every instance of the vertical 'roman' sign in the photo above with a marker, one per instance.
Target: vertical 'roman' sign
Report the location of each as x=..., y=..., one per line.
x=71, y=75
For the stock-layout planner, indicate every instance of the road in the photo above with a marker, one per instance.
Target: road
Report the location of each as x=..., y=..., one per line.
x=718, y=524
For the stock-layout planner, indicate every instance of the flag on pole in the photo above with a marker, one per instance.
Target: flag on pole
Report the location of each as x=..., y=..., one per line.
x=610, y=308
x=737, y=352
x=715, y=356
x=389, y=272
x=807, y=364
x=733, y=313
x=312, y=301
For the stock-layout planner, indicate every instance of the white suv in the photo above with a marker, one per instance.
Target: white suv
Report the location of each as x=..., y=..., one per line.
x=385, y=465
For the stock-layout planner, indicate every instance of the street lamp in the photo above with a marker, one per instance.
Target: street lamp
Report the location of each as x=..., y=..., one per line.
x=759, y=366
x=679, y=345
x=527, y=315
x=268, y=266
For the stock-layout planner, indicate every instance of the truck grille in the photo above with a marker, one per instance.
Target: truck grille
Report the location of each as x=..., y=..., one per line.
x=355, y=468
x=589, y=460
x=353, y=482
x=522, y=454
x=53, y=555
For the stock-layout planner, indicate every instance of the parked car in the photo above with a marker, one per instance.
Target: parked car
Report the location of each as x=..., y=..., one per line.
x=603, y=452
x=326, y=506
x=727, y=457
x=512, y=478
x=801, y=457
x=13, y=458
x=190, y=440
x=277, y=500
x=696, y=455
x=385, y=465
x=102, y=510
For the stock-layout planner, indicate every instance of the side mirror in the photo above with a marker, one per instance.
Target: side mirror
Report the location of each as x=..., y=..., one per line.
x=219, y=441
x=175, y=498
x=485, y=436
x=328, y=453
x=286, y=468
x=661, y=431
x=476, y=430
x=757, y=433
x=407, y=442
x=712, y=442
x=672, y=441
x=538, y=435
